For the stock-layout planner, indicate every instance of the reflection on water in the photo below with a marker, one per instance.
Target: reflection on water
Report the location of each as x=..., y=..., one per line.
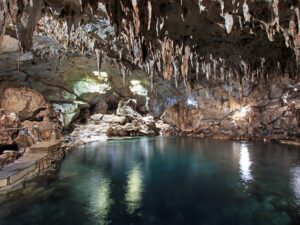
x=133, y=196
x=165, y=181
x=101, y=201
x=295, y=173
x=245, y=163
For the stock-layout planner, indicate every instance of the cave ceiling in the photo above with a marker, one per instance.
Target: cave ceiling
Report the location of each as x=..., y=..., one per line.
x=179, y=40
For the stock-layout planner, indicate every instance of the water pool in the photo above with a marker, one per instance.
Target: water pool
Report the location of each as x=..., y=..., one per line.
x=163, y=181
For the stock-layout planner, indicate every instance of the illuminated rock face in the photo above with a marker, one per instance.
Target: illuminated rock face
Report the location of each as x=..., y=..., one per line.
x=231, y=66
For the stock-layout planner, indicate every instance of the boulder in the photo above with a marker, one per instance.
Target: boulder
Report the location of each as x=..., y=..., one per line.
x=183, y=117
x=114, y=119
x=11, y=122
x=96, y=117
x=8, y=157
x=25, y=102
x=66, y=113
x=101, y=107
x=127, y=107
x=166, y=129
x=116, y=131
x=24, y=139
x=135, y=128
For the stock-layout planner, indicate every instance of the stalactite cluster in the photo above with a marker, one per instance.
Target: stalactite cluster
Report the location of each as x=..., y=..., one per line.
x=179, y=40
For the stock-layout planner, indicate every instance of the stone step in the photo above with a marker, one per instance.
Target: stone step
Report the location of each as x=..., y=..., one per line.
x=14, y=172
x=45, y=146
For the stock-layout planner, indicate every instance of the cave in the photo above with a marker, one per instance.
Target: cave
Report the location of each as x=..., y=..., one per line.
x=149, y=112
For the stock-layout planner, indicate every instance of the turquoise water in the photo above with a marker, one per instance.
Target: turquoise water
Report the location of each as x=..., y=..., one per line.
x=163, y=181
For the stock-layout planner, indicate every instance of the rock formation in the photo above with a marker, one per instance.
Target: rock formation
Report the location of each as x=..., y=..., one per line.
x=211, y=68
x=22, y=109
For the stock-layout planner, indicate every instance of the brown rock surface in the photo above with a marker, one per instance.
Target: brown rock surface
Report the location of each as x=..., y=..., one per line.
x=185, y=118
x=9, y=123
x=8, y=157
x=24, y=102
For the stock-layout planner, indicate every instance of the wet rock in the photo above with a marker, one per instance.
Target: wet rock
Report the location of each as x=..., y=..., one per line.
x=117, y=131
x=127, y=108
x=114, y=119
x=167, y=129
x=135, y=128
x=96, y=117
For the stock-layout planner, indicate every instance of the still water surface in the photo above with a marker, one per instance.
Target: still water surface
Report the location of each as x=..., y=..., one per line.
x=164, y=181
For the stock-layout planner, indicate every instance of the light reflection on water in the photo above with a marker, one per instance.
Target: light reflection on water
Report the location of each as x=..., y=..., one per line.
x=295, y=182
x=133, y=196
x=101, y=201
x=245, y=163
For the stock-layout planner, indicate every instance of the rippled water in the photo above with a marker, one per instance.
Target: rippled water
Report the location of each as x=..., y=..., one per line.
x=165, y=181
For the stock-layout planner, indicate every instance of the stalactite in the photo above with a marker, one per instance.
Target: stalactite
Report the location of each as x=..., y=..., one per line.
x=201, y=7
x=298, y=19
x=185, y=61
x=246, y=13
x=167, y=47
x=276, y=14
x=176, y=72
x=228, y=22
x=136, y=17
x=208, y=71
x=222, y=7
x=152, y=83
x=123, y=72
x=197, y=69
x=192, y=59
x=99, y=55
x=149, y=15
